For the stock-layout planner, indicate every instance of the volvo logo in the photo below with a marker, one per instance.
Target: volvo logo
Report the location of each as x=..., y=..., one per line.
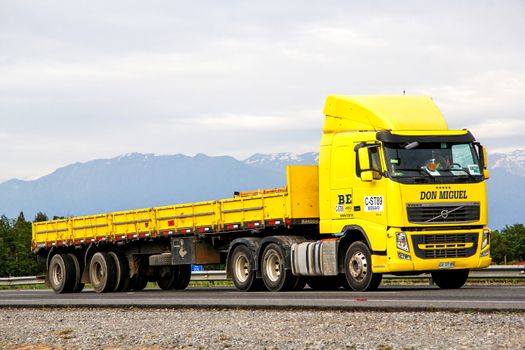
x=444, y=213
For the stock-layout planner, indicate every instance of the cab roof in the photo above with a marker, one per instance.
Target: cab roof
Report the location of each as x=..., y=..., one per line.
x=376, y=113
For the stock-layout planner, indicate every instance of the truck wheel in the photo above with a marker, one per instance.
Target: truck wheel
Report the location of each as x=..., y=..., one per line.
x=138, y=283
x=242, y=267
x=358, y=268
x=183, y=273
x=451, y=279
x=276, y=278
x=61, y=273
x=78, y=267
x=121, y=271
x=166, y=278
x=102, y=272
x=324, y=282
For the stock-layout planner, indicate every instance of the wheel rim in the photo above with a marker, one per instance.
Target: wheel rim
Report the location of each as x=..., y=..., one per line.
x=57, y=275
x=98, y=274
x=358, y=266
x=273, y=266
x=241, y=268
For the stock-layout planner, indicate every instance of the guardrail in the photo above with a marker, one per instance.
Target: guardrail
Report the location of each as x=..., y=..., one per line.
x=492, y=272
x=18, y=281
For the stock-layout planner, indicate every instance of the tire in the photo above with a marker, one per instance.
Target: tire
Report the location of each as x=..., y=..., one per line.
x=324, y=282
x=358, y=268
x=121, y=271
x=451, y=279
x=183, y=273
x=61, y=273
x=275, y=277
x=79, y=269
x=242, y=268
x=166, y=277
x=102, y=272
x=138, y=283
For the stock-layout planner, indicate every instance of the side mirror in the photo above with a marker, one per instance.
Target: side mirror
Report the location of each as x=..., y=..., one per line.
x=484, y=160
x=364, y=164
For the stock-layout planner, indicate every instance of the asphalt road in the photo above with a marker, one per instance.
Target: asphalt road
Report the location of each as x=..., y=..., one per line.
x=473, y=297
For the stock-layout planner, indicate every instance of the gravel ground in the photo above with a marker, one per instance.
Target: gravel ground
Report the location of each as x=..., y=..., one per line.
x=256, y=329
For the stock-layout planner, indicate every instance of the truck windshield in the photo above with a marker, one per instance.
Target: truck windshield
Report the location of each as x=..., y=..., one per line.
x=441, y=162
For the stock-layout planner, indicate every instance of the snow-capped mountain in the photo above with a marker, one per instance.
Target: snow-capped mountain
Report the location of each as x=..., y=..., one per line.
x=279, y=161
x=513, y=162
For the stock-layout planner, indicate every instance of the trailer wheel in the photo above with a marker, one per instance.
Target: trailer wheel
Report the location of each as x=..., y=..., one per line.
x=121, y=271
x=358, y=268
x=275, y=276
x=102, y=272
x=138, y=283
x=324, y=282
x=77, y=264
x=166, y=277
x=183, y=273
x=61, y=273
x=451, y=279
x=242, y=267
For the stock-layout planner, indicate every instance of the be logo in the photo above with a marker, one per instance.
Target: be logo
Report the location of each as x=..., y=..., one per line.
x=345, y=198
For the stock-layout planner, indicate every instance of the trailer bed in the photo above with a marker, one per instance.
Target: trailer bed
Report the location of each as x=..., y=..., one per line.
x=298, y=203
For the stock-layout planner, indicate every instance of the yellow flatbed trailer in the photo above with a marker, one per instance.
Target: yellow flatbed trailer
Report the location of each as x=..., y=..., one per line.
x=253, y=210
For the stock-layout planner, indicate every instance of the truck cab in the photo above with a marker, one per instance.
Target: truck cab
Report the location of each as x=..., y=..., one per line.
x=392, y=176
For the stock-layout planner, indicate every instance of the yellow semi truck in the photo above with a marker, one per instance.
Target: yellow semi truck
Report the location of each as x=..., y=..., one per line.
x=395, y=191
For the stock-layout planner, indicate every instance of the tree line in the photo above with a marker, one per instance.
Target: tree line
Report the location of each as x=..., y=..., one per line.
x=17, y=259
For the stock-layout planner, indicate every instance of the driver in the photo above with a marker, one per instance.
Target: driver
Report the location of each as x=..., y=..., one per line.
x=439, y=160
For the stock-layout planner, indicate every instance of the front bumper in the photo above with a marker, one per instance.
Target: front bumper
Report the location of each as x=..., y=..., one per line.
x=433, y=250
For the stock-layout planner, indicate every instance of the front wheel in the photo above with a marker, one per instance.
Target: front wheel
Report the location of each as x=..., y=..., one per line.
x=358, y=268
x=450, y=279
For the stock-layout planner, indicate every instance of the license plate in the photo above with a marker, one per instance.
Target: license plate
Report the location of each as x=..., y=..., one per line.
x=446, y=264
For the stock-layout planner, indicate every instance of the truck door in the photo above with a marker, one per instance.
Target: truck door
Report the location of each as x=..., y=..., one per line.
x=341, y=182
x=369, y=197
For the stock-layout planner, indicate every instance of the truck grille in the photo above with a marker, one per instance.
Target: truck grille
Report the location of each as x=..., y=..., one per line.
x=442, y=213
x=434, y=246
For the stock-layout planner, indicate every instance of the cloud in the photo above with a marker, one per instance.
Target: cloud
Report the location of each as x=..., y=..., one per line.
x=84, y=80
x=494, y=129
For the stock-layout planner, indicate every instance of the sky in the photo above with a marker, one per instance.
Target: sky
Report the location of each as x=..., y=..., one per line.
x=83, y=80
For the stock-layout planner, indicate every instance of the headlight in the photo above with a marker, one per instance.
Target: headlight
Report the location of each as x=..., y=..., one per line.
x=485, y=238
x=485, y=253
x=401, y=241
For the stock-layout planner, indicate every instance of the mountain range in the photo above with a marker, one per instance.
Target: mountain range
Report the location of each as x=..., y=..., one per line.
x=138, y=180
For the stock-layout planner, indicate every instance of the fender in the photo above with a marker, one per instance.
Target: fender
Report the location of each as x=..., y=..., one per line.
x=251, y=243
x=52, y=252
x=346, y=234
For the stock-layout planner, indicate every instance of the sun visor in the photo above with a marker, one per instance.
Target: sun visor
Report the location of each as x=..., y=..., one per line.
x=386, y=136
